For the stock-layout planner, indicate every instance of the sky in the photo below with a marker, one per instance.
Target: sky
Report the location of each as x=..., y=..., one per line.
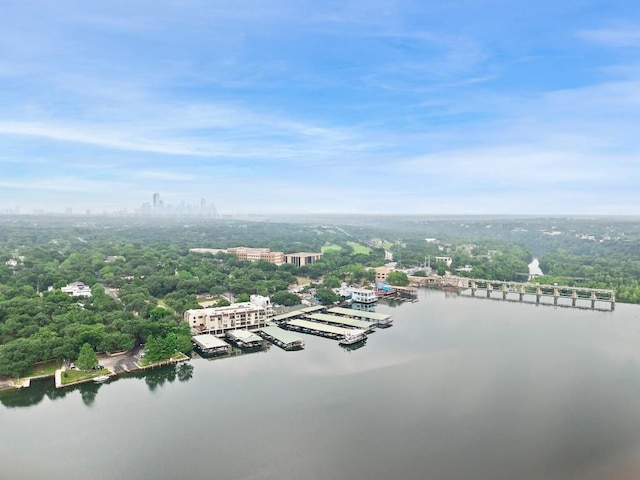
x=299, y=106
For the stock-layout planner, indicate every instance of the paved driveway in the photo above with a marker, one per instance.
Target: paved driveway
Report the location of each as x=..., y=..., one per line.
x=121, y=363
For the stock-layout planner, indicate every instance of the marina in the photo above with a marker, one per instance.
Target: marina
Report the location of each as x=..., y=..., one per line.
x=282, y=338
x=342, y=321
x=208, y=344
x=245, y=339
x=379, y=319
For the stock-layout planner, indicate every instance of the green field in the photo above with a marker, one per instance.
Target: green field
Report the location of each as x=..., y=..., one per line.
x=45, y=369
x=331, y=247
x=71, y=376
x=357, y=248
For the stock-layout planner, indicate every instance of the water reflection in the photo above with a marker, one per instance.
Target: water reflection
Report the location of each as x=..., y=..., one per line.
x=39, y=389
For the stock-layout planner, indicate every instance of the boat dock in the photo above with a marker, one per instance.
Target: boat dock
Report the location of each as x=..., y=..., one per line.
x=210, y=344
x=315, y=328
x=245, y=339
x=342, y=321
x=298, y=313
x=282, y=338
x=380, y=319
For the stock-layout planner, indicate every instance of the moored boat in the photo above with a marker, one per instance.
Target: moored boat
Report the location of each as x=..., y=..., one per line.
x=353, y=336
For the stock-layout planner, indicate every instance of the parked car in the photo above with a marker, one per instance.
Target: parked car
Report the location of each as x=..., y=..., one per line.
x=72, y=366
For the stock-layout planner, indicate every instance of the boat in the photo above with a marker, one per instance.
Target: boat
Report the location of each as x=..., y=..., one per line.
x=353, y=336
x=101, y=378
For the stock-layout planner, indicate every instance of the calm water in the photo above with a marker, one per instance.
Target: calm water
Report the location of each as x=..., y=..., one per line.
x=458, y=388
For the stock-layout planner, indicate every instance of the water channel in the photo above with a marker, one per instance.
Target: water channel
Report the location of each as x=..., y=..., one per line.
x=457, y=388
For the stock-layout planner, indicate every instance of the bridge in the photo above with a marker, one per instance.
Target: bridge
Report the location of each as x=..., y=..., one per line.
x=539, y=290
x=491, y=287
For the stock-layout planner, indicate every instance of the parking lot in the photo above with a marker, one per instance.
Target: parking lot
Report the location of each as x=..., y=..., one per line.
x=119, y=363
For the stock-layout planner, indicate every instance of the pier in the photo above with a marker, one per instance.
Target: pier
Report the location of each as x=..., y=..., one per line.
x=341, y=321
x=516, y=291
x=379, y=319
x=315, y=328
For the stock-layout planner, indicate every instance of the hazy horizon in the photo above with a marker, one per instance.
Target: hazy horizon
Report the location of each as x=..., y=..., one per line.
x=349, y=107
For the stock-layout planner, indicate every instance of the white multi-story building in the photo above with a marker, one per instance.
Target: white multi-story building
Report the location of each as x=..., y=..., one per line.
x=77, y=289
x=249, y=315
x=361, y=295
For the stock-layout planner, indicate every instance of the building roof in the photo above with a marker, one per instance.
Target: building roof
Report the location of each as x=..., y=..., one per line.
x=244, y=335
x=207, y=341
x=320, y=327
x=359, y=313
x=280, y=334
x=350, y=322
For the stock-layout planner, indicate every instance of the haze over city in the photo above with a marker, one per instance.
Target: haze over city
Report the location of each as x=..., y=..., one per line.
x=365, y=107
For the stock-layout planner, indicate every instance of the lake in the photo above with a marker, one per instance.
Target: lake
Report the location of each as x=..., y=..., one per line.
x=457, y=388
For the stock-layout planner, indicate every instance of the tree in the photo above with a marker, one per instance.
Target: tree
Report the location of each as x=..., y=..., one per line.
x=398, y=278
x=86, y=358
x=243, y=297
x=285, y=298
x=327, y=297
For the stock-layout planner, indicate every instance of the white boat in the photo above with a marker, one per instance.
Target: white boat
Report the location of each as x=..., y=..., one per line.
x=353, y=336
x=101, y=378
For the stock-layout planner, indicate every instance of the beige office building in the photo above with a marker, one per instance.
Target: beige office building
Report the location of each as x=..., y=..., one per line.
x=302, y=258
x=253, y=254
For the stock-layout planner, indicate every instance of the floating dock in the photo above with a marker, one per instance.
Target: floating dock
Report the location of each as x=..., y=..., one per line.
x=342, y=321
x=380, y=319
x=210, y=344
x=282, y=338
x=315, y=328
x=245, y=339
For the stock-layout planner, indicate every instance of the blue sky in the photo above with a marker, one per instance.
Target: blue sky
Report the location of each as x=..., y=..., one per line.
x=453, y=107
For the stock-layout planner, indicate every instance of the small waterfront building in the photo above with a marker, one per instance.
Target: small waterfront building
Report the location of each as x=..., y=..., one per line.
x=361, y=295
x=249, y=315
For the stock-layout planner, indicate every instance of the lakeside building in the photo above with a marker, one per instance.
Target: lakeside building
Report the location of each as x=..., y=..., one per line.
x=249, y=315
x=77, y=289
x=382, y=273
x=362, y=295
x=301, y=259
x=253, y=254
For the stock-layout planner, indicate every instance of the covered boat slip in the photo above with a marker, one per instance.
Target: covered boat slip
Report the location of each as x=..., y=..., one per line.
x=245, y=339
x=381, y=319
x=342, y=321
x=298, y=313
x=282, y=338
x=317, y=328
x=210, y=344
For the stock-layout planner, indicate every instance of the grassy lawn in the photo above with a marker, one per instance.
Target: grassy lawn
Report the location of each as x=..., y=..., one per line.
x=44, y=369
x=70, y=376
x=145, y=362
x=357, y=248
x=303, y=280
x=163, y=304
x=330, y=247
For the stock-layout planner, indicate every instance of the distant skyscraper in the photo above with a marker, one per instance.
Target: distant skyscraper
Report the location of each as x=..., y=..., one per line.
x=156, y=200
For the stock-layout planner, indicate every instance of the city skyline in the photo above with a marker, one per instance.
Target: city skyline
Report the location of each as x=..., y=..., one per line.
x=343, y=107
